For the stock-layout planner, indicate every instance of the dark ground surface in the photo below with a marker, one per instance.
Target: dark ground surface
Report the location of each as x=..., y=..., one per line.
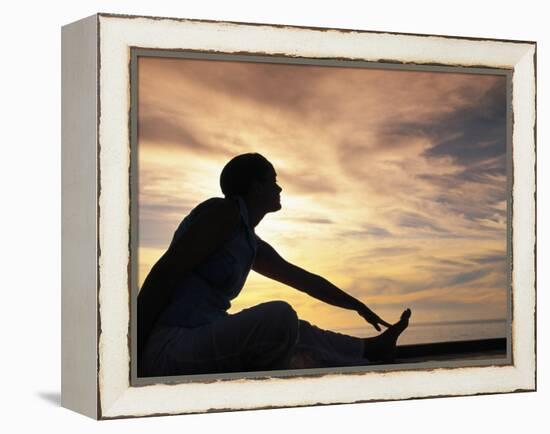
x=460, y=350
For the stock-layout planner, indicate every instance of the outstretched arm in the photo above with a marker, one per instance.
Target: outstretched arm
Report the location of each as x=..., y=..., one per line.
x=270, y=264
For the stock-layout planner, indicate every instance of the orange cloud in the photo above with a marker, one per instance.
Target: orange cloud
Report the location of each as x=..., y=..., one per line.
x=394, y=182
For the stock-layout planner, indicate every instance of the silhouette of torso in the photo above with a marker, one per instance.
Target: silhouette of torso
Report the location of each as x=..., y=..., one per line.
x=205, y=294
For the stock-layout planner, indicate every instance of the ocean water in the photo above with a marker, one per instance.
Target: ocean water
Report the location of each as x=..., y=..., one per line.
x=446, y=331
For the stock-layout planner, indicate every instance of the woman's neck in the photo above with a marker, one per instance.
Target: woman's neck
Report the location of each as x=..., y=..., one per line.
x=255, y=215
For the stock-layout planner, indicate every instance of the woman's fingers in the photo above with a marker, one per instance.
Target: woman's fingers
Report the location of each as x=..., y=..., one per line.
x=374, y=319
x=384, y=323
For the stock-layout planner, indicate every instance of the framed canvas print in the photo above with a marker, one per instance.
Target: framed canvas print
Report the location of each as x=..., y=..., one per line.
x=261, y=216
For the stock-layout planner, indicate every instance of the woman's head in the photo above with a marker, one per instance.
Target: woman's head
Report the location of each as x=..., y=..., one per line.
x=250, y=175
x=239, y=174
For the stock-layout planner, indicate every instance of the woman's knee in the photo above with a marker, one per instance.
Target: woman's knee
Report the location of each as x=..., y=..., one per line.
x=281, y=311
x=283, y=317
x=275, y=336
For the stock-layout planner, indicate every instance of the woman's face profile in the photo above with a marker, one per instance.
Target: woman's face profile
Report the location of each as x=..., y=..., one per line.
x=269, y=192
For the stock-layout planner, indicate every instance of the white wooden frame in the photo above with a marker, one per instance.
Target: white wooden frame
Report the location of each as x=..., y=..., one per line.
x=96, y=356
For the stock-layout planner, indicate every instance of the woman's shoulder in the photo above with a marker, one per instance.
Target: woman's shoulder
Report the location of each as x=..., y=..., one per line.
x=219, y=203
x=216, y=214
x=217, y=208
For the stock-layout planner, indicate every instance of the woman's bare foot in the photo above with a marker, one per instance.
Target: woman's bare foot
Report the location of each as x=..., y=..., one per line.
x=382, y=347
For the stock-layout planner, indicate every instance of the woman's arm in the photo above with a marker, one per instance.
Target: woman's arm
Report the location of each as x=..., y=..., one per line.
x=208, y=230
x=270, y=264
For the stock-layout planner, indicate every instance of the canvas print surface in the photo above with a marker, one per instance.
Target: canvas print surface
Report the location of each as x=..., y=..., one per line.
x=296, y=216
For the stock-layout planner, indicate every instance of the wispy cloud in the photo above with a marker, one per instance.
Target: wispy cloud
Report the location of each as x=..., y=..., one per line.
x=170, y=131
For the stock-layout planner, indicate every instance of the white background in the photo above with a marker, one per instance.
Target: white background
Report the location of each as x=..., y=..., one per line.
x=30, y=227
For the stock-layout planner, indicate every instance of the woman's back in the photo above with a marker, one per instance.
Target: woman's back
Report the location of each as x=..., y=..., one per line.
x=204, y=294
x=207, y=228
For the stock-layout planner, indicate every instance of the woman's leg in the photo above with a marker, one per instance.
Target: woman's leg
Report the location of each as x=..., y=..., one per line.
x=268, y=336
x=319, y=348
x=258, y=338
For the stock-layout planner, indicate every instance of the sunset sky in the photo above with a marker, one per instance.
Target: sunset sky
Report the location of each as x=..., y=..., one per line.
x=394, y=182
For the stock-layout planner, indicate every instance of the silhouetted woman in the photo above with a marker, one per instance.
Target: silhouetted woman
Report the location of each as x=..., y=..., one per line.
x=183, y=324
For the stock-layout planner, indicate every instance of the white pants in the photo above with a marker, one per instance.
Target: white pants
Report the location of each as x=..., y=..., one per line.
x=268, y=336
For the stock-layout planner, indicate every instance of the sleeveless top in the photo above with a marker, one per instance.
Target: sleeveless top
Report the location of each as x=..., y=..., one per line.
x=204, y=294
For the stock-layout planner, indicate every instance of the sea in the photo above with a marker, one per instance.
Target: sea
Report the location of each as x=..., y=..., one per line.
x=430, y=332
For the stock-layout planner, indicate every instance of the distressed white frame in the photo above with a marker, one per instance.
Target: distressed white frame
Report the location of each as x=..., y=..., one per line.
x=115, y=396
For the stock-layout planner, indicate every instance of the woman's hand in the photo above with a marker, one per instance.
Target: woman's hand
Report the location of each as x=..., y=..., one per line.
x=372, y=318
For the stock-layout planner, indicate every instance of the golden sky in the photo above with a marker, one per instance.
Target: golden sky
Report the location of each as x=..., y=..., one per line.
x=394, y=182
